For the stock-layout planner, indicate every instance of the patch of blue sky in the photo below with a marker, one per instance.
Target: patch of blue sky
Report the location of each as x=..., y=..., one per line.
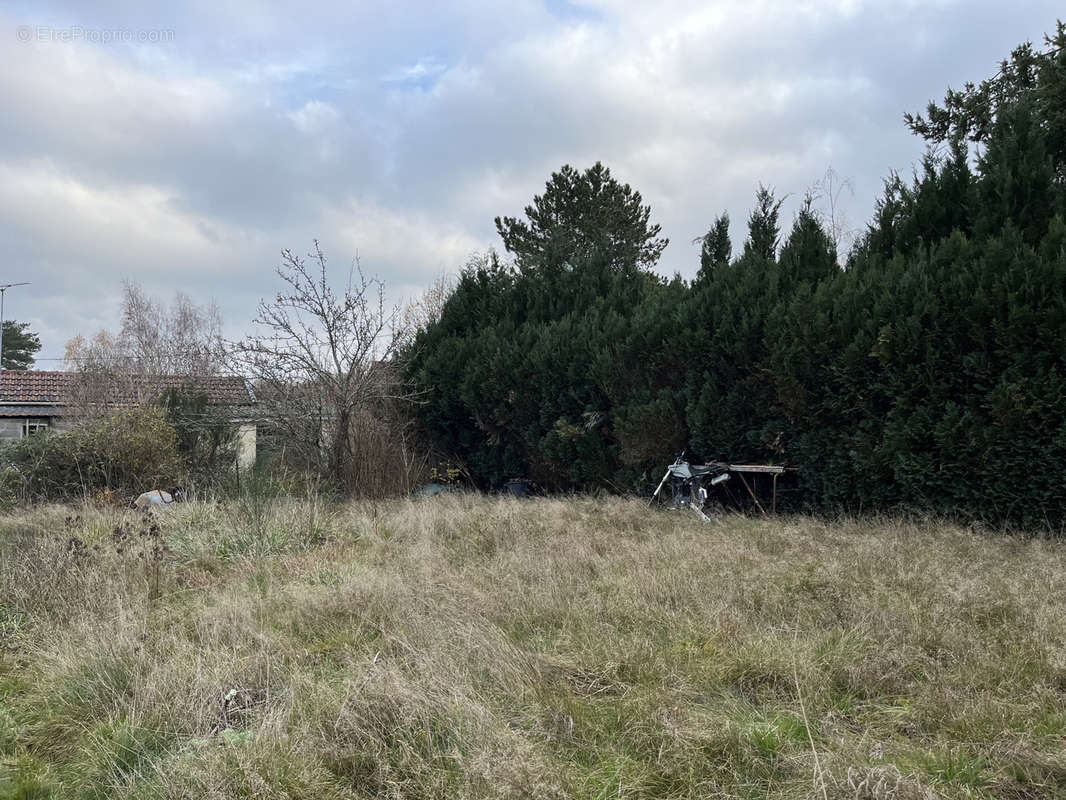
x=566, y=10
x=423, y=74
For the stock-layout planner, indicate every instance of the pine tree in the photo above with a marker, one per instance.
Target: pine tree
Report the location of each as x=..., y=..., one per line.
x=579, y=214
x=20, y=345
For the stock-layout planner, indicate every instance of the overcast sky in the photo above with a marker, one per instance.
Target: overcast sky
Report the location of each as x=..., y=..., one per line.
x=184, y=147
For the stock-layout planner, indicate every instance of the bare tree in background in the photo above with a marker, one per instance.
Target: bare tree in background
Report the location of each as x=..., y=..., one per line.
x=182, y=339
x=827, y=191
x=319, y=361
x=98, y=353
x=419, y=314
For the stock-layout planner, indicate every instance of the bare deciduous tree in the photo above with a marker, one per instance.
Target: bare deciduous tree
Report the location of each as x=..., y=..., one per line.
x=319, y=359
x=827, y=190
x=419, y=314
x=182, y=339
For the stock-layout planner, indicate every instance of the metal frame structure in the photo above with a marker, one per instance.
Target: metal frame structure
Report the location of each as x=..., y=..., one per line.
x=689, y=482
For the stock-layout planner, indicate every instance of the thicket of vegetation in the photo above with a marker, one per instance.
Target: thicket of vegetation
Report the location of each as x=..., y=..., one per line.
x=114, y=456
x=468, y=647
x=929, y=370
x=330, y=408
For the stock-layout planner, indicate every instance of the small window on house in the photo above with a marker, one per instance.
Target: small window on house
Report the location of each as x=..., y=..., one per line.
x=30, y=427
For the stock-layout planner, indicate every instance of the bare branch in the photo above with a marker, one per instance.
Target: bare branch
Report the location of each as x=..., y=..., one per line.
x=320, y=359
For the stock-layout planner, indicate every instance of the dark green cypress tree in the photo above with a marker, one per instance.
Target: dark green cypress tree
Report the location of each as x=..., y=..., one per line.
x=716, y=248
x=1051, y=98
x=1018, y=175
x=809, y=253
x=727, y=390
x=764, y=232
x=930, y=373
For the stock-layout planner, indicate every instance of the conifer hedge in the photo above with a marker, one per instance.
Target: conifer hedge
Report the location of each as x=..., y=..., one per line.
x=926, y=371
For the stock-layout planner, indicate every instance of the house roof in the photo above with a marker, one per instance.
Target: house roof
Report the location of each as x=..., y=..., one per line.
x=57, y=388
x=31, y=386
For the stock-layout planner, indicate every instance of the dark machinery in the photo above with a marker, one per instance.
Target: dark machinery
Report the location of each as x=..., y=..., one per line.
x=689, y=484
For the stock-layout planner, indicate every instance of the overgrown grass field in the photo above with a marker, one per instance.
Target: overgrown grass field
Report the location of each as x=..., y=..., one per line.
x=472, y=647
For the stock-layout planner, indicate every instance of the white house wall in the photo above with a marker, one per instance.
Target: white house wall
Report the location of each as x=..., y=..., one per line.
x=246, y=444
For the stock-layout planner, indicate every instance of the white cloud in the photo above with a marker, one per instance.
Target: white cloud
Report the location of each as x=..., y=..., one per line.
x=314, y=117
x=398, y=132
x=73, y=218
x=399, y=247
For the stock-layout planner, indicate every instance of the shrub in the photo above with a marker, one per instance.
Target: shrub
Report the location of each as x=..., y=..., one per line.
x=206, y=437
x=122, y=452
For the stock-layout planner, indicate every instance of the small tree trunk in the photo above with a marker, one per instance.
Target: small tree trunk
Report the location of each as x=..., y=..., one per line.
x=342, y=447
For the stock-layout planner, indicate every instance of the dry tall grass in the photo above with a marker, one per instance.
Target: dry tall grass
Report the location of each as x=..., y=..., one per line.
x=466, y=647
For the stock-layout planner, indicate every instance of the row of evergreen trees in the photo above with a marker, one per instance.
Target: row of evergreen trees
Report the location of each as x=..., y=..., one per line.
x=929, y=370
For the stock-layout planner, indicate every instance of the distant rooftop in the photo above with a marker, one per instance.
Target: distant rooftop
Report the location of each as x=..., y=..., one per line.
x=55, y=387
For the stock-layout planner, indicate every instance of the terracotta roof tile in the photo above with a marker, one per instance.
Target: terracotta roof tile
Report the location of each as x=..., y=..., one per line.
x=43, y=386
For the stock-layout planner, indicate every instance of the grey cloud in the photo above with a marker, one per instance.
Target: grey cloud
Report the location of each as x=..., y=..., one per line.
x=397, y=132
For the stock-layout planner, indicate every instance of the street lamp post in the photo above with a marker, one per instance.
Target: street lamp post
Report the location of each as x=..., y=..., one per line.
x=3, y=290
